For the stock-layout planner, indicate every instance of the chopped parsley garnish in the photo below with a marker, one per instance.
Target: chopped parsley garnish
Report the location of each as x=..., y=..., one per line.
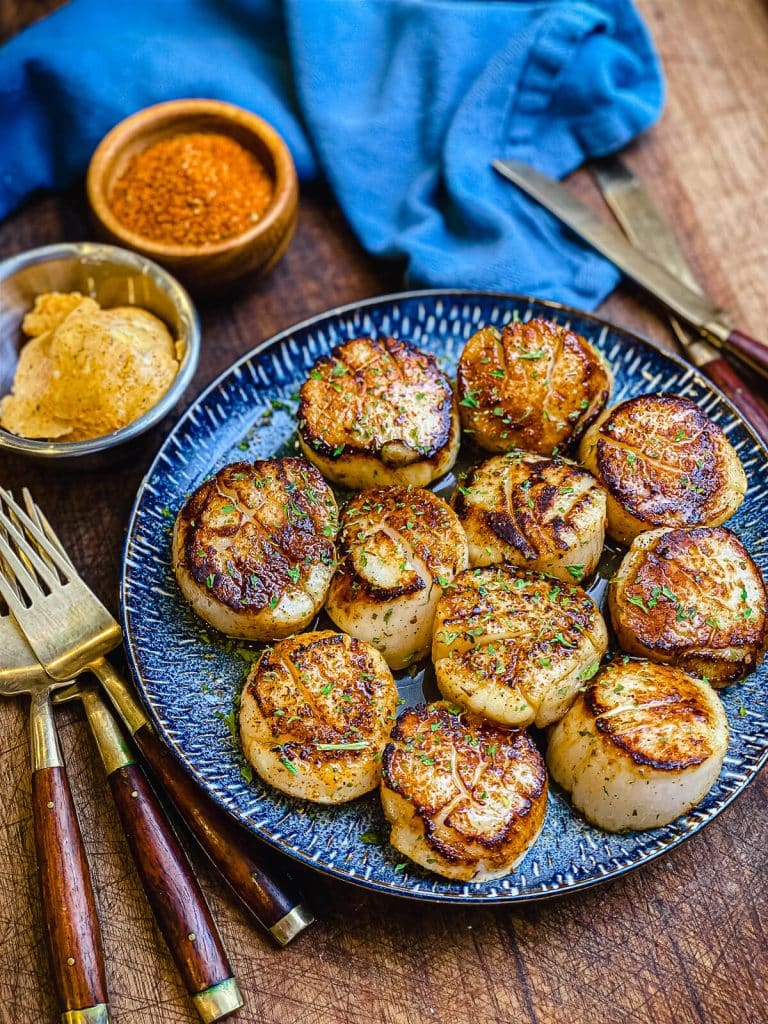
x=577, y=571
x=590, y=671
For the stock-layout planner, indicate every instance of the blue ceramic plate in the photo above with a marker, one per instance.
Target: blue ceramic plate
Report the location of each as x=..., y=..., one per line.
x=189, y=675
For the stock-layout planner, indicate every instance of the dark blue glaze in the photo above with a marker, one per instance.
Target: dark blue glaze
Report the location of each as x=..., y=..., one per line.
x=188, y=674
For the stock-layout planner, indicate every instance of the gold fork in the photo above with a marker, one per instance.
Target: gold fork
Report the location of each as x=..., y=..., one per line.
x=178, y=903
x=72, y=932
x=71, y=631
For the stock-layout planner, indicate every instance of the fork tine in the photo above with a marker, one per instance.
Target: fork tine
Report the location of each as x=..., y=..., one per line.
x=31, y=528
x=9, y=578
x=15, y=572
x=37, y=514
x=27, y=552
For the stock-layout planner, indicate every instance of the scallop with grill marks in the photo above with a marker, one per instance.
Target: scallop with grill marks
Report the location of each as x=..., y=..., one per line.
x=693, y=598
x=253, y=547
x=663, y=462
x=466, y=799
x=379, y=411
x=315, y=715
x=544, y=514
x=644, y=744
x=532, y=385
x=515, y=646
x=398, y=547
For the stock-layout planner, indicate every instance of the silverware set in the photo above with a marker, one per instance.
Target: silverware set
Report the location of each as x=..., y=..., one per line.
x=53, y=631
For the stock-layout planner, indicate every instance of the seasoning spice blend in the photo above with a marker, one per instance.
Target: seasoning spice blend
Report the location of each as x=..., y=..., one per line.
x=193, y=189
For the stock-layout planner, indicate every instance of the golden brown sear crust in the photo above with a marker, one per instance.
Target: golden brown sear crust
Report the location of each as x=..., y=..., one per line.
x=515, y=646
x=693, y=598
x=254, y=546
x=398, y=547
x=544, y=514
x=420, y=525
x=472, y=796
x=655, y=715
x=378, y=411
x=315, y=714
x=663, y=463
x=532, y=385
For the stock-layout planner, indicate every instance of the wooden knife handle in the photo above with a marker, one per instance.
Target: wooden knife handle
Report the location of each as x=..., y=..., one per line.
x=174, y=894
x=72, y=928
x=748, y=350
x=745, y=400
x=250, y=874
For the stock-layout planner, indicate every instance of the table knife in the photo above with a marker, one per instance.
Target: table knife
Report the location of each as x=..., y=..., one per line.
x=646, y=229
x=691, y=306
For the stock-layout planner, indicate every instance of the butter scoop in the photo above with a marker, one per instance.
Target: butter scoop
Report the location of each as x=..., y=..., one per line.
x=87, y=371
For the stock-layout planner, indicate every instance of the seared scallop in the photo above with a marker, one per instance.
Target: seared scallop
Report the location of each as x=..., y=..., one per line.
x=692, y=598
x=379, y=411
x=315, y=715
x=514, y=646
x=663, y=462
x=253, y=547
x=644, y=744
x=398, y=548
x=532, y=385
x=544, y=514
x=466, y=799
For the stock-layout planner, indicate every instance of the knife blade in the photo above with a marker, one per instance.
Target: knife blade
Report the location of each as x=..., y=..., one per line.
x=647, y=230
x=692, y=307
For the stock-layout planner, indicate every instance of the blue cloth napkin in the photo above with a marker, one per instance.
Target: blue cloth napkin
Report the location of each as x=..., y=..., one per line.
x=400, y=104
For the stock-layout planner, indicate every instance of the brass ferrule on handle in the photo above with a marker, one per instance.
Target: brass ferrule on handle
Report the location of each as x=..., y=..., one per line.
x=294, y=922
x=113, y=748
x=98, y=1014
x=218, y=1001
x=45, y=751
x=120, y=694
x=716, y=332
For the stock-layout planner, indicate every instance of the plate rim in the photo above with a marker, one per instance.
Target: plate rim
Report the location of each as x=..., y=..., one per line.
x=332, y=870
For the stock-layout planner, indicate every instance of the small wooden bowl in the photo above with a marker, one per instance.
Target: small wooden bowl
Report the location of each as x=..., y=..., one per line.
x=213, y=267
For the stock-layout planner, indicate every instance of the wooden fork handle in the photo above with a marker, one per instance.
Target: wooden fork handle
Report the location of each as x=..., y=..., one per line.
x=72, y=932
x=238, y=857
x=175, y=896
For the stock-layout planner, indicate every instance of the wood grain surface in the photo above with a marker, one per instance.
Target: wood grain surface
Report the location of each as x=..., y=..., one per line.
x=682, y=940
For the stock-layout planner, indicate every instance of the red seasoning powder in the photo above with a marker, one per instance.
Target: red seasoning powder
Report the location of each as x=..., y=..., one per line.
x=194, y=189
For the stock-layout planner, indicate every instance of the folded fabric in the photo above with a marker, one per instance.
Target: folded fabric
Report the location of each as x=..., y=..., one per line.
x=400, y=104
